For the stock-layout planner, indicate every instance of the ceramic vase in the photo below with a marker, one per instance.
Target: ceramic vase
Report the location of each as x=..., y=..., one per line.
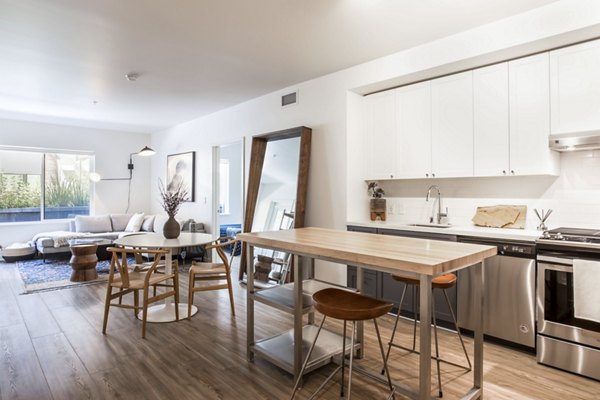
x=171, y=229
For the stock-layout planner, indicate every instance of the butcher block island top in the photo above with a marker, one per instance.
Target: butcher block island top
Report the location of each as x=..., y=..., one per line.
x=391, y=254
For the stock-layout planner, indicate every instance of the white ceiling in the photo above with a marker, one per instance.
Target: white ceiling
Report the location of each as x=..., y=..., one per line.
x=199, y=56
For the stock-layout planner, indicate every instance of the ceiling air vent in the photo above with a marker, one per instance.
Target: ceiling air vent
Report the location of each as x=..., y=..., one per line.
x=289, y=99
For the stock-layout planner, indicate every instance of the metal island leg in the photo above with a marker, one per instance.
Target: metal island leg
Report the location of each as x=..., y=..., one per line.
x=297, y=317
x=425, y=337
x=250, y=303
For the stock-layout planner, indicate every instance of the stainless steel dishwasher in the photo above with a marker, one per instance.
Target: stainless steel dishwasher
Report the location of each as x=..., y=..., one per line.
x=509, y=292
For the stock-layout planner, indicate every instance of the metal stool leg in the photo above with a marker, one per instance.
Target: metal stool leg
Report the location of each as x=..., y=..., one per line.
x=385, y=366
x=351, y=359
x=344, y=358
x=457, y=329
x=387, y=355
x=437, y=349
x=312, y=347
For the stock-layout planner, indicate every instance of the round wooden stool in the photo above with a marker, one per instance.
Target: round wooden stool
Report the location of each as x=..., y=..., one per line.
x=442, y=282
x=83, y=261
x=346, y=306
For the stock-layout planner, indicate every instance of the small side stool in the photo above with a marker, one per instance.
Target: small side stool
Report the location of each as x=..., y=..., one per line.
x=442, y=282
x=346, y=306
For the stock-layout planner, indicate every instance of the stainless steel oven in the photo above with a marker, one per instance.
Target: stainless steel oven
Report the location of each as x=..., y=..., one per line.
x=564, y=341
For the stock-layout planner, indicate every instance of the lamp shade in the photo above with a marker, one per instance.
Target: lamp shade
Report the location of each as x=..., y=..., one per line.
x=146, y=151
x=95, y=177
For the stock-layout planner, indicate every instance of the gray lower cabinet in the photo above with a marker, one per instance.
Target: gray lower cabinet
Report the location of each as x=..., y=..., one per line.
x=371, y=278
x=391, y=290
x=382, y=286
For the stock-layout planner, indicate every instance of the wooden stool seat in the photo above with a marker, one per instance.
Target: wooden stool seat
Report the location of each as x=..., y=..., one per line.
x=350, y=306
x=445, y=281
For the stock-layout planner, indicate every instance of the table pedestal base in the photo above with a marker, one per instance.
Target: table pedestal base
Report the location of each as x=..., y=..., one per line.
x=166, y=312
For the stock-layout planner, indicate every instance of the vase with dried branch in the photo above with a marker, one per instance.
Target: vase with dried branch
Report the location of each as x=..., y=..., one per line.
x=171, y=202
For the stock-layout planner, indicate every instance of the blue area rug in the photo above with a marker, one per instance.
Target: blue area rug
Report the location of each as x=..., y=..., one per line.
x=54, y=274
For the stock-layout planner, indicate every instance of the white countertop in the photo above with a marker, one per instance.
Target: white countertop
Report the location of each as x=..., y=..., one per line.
x=529, y=235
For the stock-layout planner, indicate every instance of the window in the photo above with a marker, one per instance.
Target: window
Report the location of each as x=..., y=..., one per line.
x=35, y=186
x=224, y=186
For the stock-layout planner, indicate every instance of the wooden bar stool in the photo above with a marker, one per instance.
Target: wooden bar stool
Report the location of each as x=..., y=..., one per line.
x=346, y=306
x=442, y=282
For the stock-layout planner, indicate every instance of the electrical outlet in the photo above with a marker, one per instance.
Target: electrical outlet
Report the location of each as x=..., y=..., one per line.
x=390, y=208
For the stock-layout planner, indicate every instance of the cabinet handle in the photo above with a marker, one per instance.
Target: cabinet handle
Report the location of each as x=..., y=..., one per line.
x=392, y=176
x=504, y=171
x=433, y=175
x=512, y=171
x=427, y=175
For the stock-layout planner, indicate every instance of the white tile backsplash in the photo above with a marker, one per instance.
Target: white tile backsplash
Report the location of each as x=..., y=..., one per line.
x=574, y=195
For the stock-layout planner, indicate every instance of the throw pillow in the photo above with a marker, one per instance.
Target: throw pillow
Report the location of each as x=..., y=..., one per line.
x=135, y=223
x=148, y=224
x=159, y=223
x=84, y=223
x=120, y=221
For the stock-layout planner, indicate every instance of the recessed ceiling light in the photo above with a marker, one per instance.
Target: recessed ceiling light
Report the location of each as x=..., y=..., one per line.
x=132, y=76
x=95, y=102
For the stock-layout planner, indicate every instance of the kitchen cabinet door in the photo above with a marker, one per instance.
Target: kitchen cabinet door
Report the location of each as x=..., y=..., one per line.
x=575, y=88
x=490, y=121
x=452, y=126
x=381, y=134
x=413, y=145
x=529, y=102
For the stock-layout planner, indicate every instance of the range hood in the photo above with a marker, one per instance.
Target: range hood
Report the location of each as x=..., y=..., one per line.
x=588, y=140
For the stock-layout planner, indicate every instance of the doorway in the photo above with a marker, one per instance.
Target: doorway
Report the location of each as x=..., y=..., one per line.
x=228, y=191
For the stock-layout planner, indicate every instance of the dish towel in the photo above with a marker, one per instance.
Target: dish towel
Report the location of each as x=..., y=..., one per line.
x=586, y=293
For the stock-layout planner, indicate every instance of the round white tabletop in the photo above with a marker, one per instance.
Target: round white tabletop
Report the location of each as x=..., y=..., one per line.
x=166, y=312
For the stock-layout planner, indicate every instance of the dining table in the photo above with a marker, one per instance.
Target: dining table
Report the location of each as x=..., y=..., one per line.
x=422, y=259
x=165, y=312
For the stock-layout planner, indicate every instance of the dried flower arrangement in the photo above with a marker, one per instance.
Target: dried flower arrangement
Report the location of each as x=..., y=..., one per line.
x=375, y=191
x=172, y=199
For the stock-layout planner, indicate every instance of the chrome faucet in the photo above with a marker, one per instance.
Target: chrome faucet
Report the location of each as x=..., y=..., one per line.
x=440, y=214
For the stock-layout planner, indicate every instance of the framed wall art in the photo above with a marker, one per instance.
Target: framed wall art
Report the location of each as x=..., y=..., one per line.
x=180, y=172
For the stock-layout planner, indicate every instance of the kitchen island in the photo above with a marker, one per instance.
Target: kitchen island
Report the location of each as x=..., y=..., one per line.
x=419, y=258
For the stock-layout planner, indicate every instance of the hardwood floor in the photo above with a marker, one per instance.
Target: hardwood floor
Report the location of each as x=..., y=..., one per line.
x=51, y=347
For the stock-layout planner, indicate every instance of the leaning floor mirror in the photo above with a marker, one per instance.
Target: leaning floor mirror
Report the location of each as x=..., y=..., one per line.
x=276, y=197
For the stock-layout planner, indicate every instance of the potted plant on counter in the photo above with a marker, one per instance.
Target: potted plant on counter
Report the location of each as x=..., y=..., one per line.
x=377, y=204
x=171, y=201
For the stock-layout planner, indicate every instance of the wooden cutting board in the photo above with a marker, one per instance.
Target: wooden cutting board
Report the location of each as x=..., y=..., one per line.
x=501, y=216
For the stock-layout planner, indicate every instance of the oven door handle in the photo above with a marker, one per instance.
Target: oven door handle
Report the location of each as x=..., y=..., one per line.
x=555, y=260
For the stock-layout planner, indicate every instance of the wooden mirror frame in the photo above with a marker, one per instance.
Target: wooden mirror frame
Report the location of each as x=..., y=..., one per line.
x=257, y=158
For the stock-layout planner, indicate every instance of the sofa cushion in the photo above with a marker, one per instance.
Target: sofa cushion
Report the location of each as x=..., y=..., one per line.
x=148, y=224
x=84, y=223
x=135, y=223
x=119, y=221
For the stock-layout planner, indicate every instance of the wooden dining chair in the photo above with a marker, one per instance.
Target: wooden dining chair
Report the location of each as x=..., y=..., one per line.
x=203, y=272
x=125, y=279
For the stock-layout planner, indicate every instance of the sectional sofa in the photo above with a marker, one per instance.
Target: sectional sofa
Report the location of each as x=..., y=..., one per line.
x=109, y=227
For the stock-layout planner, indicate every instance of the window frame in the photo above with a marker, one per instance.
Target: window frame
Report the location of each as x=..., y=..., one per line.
x=44, y=152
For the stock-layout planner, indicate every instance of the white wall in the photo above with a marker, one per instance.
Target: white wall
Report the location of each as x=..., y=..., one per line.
x=336, y=191
x=111, y=149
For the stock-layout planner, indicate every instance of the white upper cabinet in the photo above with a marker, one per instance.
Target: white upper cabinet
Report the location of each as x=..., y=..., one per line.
x=490, y=121
x=530, y=117
x=575, y=88
x=413, y=116
x=452, y=126
x=381, y=134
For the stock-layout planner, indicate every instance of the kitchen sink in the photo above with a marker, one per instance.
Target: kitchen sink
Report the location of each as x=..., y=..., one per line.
x=432, y=225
